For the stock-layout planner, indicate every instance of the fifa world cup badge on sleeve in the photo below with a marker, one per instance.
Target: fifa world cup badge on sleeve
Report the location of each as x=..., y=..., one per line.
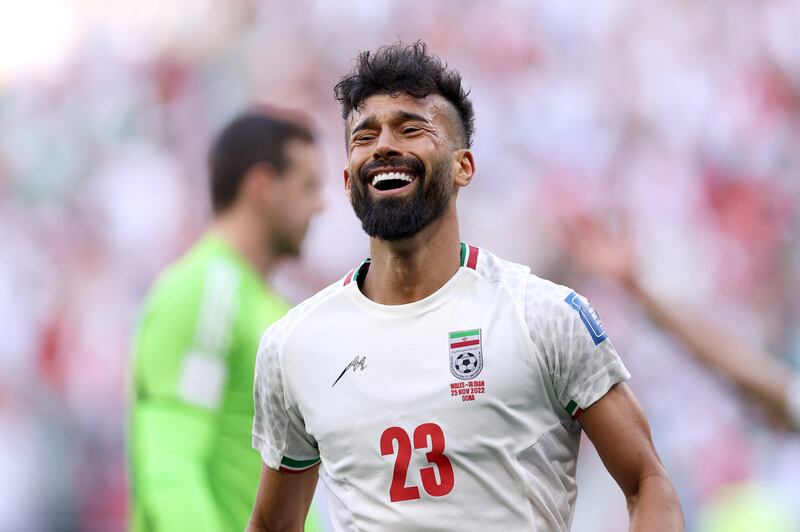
x=588, y=316
x=466, y=358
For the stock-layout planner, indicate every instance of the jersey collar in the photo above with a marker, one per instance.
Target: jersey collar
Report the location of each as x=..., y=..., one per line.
x=469, y=259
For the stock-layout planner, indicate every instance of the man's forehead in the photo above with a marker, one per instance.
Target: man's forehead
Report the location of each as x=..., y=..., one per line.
x=387, y=106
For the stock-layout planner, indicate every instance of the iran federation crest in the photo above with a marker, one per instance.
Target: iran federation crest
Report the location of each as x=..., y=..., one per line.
x=466, y=359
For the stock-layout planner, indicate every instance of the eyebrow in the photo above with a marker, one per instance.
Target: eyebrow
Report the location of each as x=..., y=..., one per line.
x=400, y=116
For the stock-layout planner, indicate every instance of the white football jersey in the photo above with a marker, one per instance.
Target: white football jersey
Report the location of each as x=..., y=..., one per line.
x=453, y=412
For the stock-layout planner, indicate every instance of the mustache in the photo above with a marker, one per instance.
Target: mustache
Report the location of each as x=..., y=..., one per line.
x=412, y=163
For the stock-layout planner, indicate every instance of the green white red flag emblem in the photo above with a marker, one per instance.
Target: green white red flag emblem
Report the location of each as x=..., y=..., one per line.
x=466, y=356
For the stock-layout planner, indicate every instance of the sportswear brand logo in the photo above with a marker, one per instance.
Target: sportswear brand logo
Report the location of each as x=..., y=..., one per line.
x=357, y=363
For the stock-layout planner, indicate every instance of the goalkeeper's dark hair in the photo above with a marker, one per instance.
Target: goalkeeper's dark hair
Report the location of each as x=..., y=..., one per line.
x=405, y=68
x=258, y=135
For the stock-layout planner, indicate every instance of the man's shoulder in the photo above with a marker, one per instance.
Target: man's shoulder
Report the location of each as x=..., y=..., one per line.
x=303, y=311
x=205, y=290
x=554, y=311
x=536, y=294
x=189, y=269
x=518, y=278
x=494, y=269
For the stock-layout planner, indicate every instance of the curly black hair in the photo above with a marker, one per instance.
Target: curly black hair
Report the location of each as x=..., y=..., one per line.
x=405, y=68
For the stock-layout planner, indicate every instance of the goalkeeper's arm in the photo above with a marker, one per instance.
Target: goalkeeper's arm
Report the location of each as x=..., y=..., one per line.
x=175, y=422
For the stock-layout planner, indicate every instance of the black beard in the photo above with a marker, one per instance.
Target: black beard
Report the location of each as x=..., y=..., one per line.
x=396, y=219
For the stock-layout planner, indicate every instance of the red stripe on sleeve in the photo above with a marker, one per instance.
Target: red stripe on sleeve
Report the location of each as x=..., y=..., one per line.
x=349, y=277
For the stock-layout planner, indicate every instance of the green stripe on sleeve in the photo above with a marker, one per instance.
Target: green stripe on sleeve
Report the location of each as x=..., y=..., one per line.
x=572, y=406
x=289, y=462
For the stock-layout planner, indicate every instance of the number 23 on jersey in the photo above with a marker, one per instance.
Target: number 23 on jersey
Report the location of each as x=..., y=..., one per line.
x=427, y=436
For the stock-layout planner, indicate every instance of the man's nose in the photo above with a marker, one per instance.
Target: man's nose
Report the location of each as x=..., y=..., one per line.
x=385, y=147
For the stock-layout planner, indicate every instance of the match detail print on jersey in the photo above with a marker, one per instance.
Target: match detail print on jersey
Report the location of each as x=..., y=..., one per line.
x=588, y=316
x=466, y=357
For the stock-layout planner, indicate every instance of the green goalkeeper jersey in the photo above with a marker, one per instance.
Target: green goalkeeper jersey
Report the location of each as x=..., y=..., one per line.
x=192, y=465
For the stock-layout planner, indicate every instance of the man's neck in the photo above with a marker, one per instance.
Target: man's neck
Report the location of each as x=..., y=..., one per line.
x=247, y=238
x=410, y=270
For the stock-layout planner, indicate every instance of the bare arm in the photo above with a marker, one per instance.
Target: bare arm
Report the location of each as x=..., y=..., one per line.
x=756, y=373
x=283, y=500
x=619, y=431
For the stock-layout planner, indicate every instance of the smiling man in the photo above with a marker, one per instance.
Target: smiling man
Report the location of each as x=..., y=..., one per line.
x=437, y=386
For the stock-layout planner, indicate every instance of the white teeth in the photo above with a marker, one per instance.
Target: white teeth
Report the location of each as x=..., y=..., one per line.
x=391, y=175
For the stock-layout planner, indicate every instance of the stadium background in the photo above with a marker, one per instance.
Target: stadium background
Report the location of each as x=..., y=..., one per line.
x=684, y=115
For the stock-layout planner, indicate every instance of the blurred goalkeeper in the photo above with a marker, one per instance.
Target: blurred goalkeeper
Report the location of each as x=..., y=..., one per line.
x=192, y=465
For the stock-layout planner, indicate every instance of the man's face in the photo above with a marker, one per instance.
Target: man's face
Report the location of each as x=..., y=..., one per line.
x=294, y=198
x=400, y=163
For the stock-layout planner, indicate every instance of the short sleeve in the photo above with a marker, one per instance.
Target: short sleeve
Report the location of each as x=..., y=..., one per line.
x=279, y=433
x=580, y=358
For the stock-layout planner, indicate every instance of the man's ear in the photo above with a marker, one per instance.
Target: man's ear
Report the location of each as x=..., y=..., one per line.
x=258, y=181
x=347, y=183
x=465, y=167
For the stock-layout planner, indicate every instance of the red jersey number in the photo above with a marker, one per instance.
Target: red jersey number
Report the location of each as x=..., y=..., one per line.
x=427, y=436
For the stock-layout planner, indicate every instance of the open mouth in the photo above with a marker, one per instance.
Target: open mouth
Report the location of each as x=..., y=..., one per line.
x=391, y=180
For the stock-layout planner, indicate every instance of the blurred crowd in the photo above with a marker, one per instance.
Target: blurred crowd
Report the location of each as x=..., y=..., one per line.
x=680, y=118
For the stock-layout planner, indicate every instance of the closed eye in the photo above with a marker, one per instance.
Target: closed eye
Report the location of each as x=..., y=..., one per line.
x=363, y=138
